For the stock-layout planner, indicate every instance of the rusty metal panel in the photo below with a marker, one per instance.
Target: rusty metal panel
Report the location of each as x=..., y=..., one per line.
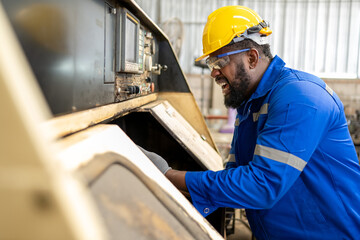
x=185, y=104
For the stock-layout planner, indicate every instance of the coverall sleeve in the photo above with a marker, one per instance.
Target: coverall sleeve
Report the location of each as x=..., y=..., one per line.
x=230, y=162
x=297, y=118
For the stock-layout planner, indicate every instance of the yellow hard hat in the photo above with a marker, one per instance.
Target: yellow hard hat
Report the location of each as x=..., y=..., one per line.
x=226, y=23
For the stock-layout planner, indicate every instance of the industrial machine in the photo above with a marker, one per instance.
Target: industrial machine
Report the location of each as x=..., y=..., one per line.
x=82, y=82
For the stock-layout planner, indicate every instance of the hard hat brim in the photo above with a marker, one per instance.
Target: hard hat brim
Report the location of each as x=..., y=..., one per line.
x=202, y=57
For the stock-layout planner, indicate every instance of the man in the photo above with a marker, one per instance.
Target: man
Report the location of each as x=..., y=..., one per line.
x=292, y=163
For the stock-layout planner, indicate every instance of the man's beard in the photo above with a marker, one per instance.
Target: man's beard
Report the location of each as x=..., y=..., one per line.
x=238, y=89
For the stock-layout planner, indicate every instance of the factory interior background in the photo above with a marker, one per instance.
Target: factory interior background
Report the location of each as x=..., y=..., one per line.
x=51, y=188
x=317, y=36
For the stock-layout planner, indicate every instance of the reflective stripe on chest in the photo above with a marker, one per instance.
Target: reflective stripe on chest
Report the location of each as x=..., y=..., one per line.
x=263, y=110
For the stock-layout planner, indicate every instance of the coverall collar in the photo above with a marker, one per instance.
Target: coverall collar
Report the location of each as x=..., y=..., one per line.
x=270, y=76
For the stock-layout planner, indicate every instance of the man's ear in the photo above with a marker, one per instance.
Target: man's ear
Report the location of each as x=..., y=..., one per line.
x=253, y=58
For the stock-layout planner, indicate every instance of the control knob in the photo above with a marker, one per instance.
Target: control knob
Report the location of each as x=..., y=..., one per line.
x=133, y=89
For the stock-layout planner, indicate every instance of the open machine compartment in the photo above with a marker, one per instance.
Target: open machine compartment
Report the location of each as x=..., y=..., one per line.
x=155, y=138
x=158, y=127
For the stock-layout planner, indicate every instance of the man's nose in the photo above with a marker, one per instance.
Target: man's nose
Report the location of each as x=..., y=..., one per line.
x=215, y=73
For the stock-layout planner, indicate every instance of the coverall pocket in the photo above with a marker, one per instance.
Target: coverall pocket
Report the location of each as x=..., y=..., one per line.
x=296, y=132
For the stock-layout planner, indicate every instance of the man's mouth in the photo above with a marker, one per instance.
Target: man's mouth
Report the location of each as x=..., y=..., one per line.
x=224, y=86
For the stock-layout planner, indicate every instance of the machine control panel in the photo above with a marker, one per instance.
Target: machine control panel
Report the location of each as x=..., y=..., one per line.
x=136, y=59
x=109, y=51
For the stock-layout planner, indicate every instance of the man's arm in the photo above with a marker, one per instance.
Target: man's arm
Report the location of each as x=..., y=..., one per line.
x=178, y=179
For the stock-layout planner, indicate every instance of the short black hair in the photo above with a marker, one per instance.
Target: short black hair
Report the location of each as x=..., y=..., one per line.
x=248, y=43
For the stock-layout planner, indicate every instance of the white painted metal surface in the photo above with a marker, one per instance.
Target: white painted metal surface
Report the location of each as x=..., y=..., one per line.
x=80, y=148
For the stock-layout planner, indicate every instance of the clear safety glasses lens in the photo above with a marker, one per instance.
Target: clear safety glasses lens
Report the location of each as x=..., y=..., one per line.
x=220, y=61
x=217, y=63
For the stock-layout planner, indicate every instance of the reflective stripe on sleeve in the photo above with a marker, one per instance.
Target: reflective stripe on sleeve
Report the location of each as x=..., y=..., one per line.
x=280, y=156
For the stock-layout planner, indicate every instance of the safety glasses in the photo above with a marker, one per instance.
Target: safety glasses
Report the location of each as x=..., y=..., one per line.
x=220, y=61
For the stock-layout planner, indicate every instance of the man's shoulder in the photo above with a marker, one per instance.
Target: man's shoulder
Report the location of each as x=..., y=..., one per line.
x=290, y=74
x=298, y=86
x=292, y=78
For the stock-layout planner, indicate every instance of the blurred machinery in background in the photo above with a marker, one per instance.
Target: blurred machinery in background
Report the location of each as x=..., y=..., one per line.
x=354, y=128
x=174, y=30
x=83, y=82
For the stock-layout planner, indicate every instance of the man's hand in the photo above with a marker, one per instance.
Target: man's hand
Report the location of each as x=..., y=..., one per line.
x=159, y=162
x=176, y=177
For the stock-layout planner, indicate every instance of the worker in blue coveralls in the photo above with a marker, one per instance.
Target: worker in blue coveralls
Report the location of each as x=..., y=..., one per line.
x=292, y=163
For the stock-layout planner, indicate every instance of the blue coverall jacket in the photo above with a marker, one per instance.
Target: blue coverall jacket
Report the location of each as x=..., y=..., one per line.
x=293, y=165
